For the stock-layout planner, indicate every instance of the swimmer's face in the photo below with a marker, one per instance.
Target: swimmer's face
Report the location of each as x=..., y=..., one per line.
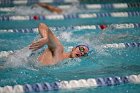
x=80, y=51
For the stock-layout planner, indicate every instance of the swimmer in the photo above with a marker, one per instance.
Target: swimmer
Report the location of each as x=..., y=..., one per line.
x=55, y=51
x=50, y=8
x=57, y=10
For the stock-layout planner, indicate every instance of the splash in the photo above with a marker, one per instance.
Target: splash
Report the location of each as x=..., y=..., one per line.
x=18, y=58
x=32, y=10
x=71, y=62
x=74, y=8
x=66, y=36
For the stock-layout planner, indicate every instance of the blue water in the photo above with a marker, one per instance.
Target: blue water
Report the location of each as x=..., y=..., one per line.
x=99, y=63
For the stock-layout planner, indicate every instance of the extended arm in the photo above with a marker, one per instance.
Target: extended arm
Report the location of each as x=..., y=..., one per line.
x=47, y=38
x=50, y=8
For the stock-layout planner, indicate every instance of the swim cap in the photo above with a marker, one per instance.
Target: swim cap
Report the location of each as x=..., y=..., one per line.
x=83, y=45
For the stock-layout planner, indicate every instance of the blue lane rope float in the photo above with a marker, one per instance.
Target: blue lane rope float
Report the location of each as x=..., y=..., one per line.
x=114, y=45
x=91, y=82
x=80, y=27
x=87, y=6
x=71, y=16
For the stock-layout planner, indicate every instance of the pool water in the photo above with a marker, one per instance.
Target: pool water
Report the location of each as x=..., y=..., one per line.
x=100, y=62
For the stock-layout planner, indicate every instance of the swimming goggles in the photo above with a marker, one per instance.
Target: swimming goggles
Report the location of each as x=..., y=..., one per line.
x=82, y=50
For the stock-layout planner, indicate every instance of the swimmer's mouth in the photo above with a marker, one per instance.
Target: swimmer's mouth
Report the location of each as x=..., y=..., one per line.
x=77, y=55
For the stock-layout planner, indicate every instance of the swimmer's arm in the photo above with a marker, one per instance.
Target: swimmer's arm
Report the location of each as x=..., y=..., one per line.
x=53, y=42
x=47, y=38
x=50, y=8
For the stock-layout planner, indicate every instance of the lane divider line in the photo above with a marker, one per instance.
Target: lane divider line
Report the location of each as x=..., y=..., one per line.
x=80, y=27
x=71, y=16
x=59, y=85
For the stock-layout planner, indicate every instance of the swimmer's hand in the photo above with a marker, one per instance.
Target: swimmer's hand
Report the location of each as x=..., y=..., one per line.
x=38, y=44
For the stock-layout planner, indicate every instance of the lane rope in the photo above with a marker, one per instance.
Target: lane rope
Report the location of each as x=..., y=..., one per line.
x=70, y=16
x=80, y=27
x=81, y=83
